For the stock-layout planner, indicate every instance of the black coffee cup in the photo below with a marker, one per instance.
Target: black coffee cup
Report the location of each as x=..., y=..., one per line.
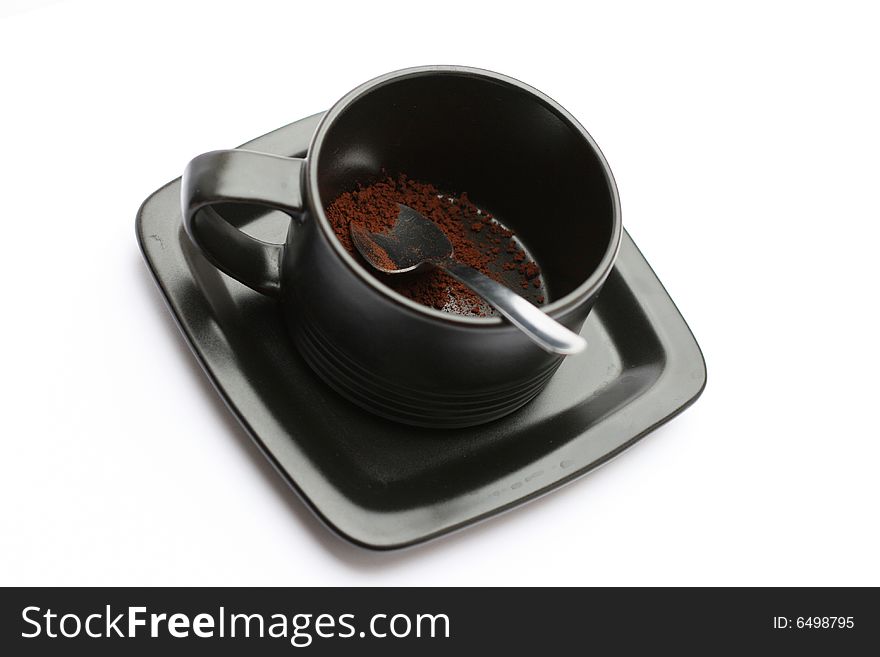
x=515, y=152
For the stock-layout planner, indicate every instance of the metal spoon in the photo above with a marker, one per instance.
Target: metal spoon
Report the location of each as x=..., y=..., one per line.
x=416, y=242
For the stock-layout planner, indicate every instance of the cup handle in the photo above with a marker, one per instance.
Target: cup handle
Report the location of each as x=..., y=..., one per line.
x=240, y=176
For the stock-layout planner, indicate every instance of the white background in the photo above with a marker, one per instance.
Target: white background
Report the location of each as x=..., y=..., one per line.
x=745, y=145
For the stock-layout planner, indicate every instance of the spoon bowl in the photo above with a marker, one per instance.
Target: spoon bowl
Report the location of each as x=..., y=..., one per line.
x=414, y=242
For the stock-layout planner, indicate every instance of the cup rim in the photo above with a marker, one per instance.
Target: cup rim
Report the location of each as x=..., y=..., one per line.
x=555, y=309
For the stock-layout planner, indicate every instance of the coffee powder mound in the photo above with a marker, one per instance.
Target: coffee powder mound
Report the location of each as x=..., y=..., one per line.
x=478, y=239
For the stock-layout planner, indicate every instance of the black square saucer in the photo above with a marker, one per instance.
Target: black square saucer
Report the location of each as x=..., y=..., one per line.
x=384, y=485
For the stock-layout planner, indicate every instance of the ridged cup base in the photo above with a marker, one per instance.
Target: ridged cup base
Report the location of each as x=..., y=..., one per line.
x=405, y=404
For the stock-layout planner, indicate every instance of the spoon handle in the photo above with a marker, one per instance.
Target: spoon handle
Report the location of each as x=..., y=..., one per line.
x=542, y=329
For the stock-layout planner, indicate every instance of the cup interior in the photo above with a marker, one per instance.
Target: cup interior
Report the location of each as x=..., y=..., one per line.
x=515, y=153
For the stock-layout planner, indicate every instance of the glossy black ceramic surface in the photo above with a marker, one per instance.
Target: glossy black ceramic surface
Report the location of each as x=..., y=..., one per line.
x=385, y=485
x=513, y=150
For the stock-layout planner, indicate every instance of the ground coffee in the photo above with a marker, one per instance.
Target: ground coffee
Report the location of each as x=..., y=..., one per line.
x=478, y=238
